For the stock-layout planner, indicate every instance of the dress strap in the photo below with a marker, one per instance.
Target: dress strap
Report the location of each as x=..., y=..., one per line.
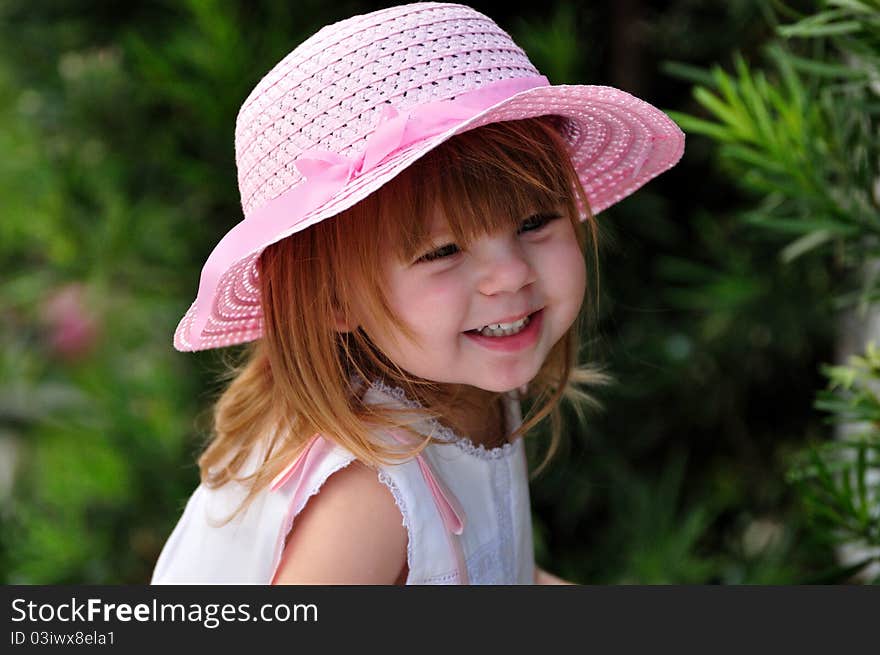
x=451, y=511
x=311, y=455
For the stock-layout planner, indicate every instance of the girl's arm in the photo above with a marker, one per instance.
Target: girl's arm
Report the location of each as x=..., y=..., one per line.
x=542, y=577
x=350, y=532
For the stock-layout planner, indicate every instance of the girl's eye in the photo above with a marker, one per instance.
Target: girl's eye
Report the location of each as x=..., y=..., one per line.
x=538, y=221
x=445, y=251
x=532, y=224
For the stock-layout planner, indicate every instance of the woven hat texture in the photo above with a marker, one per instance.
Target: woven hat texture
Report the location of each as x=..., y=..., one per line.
x=361, y=99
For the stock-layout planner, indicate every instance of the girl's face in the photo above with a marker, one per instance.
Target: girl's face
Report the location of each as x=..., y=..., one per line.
x=444, y=298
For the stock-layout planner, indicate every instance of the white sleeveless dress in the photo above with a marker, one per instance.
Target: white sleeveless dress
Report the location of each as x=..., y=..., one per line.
x=482, y=494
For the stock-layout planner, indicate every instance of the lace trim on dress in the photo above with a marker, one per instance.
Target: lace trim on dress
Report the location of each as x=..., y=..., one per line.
x=401, y=505
x=441, y=432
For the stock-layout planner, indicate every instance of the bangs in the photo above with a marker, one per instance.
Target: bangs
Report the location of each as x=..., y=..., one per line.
x=482, y=181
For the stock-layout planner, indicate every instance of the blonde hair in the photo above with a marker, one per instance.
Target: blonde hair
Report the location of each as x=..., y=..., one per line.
x=301, y=377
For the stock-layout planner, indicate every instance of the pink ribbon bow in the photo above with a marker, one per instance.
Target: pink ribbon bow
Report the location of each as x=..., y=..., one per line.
x=395, y=131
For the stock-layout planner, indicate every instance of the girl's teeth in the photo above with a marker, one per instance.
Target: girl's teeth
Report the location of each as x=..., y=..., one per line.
x=504, y=329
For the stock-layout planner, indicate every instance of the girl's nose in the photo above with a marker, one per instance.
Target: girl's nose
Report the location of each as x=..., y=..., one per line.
x=503, y=266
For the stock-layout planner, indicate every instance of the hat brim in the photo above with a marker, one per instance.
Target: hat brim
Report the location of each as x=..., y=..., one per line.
x=617, y=144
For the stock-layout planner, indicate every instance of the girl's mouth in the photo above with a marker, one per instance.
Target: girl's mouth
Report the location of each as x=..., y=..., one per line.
x=510, y=342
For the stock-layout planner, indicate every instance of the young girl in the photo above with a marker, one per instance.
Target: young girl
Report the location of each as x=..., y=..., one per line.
x=411, y=266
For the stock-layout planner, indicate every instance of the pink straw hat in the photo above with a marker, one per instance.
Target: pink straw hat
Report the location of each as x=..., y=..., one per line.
x=362, y=99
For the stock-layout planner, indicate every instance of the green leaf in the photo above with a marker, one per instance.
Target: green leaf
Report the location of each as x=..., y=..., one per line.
x=825, y=69
x=820, y=468
x=790, y=114
x=839, y=375
x=798, y=225
x=832, y=29
x=855, y=6
x=822, y=510
x=681, y=70
x=754, y=157
x=741, y=126
x=846, y=490
x=861, y=472
x=839, y=574
x=690, y=123
x=753, y=99
x=794, y=88
x=805, y=244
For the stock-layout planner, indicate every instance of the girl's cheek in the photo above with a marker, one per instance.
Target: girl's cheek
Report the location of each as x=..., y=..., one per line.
x=568, y=267
x=438, y=297
x=425, y=297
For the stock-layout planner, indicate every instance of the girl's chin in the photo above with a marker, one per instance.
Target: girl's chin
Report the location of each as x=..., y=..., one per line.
x=491, y=387
x=514, y=383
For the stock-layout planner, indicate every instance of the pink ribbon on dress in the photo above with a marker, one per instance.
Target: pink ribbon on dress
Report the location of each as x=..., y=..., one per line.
x=451, y=512
x=327, y=173
x=311, y=455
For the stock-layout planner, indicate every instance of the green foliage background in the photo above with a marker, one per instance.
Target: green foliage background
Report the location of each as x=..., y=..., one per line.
x=118, y=177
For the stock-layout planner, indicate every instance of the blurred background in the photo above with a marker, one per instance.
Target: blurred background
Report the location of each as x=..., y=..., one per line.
x=737, y=307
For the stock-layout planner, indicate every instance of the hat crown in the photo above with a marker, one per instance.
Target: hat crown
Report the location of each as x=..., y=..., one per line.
x=329, y=92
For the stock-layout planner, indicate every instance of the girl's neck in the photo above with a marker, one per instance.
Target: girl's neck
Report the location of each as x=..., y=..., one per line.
x=479, y=417
x=470, y=412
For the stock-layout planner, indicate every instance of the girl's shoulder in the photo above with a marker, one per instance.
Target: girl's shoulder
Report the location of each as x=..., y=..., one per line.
x=351, y=532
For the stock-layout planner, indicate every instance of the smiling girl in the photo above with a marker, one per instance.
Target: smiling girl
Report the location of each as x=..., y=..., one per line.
x=410, y=268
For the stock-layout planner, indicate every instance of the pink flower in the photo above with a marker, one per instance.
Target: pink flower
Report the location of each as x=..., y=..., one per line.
x=73, y=328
